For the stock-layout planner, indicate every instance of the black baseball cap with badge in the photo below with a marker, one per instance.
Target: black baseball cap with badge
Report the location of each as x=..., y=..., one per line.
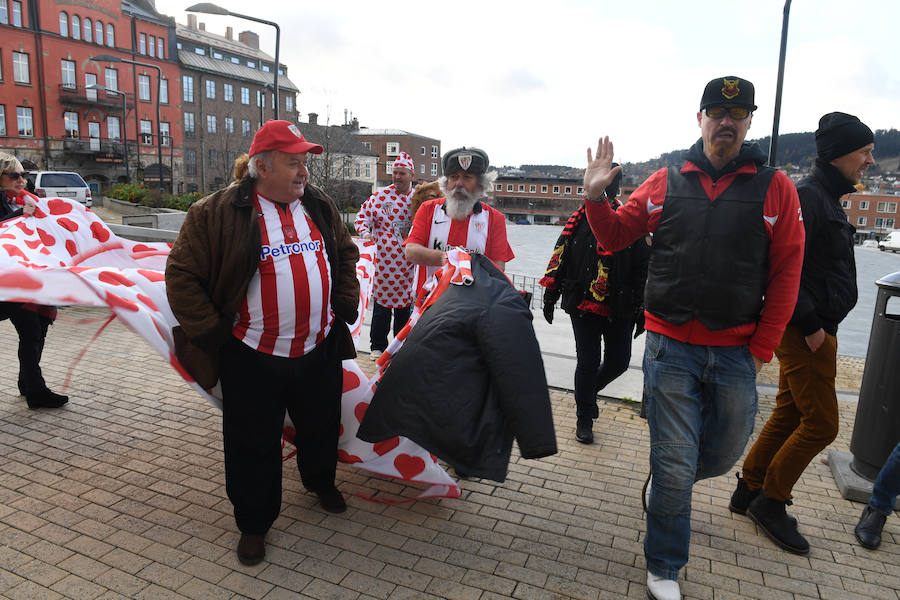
x=728, y=90
x=470, y=160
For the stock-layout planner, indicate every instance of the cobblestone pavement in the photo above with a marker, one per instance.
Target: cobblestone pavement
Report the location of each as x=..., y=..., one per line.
x=120, y=495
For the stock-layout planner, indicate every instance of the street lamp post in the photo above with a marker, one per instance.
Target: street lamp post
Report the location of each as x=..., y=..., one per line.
x=773, y=142
x=209, y=8
x=100, y=88
x=111, y=58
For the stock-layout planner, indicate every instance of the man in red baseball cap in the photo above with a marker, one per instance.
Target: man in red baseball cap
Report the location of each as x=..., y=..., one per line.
x=262, y=280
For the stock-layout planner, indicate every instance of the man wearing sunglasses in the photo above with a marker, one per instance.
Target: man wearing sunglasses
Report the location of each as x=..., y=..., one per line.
x=722, y=281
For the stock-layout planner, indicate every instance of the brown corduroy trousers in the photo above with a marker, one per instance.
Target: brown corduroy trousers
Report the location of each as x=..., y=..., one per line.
x=805, y=418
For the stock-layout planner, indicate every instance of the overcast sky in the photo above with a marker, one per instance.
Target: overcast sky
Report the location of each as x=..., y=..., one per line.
x=536, y=82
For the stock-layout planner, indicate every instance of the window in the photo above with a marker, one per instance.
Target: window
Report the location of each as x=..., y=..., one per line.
x=178, y=45
x=521, y=187
x=289, y=103
x=189, y=124
x=393, y=148
x=76, y=27
x=422, y=168
x=569, y=190
x=357, y=170
x=860, y=221
x=88, y=30
x=265, y=68
x=543, y=189
x=190, y=162
x=110, y=35
x=63, y=22
x=509, y=187
x=863, y=205
x=434, y=169
x=235, y=60
x=160, y=45
x=144, y=87
x=151, y=49
x=245, y=127
x=113, y=130
x=498, y=187
x=367, y=145
x=229, y=125
x=142, y=44
x=24, y=121
x=532, y=189
x=213, y=158
x=260, y=98
x=200, y=51
x=423, y=150
x=164, y=133
x=146, y=132
x=2, y=120
x=388, y=168
x=17, y=13
x=21, y=72
x=251, y=64
x=245, y=95
x=228, y=92
x=434, y=152
x=217, y=55
x=580, y=190
x=112, y=79
x=68, y=74
x=211, y=123
x=555, y=189
x=368, y=170
x=887, y=207
x=71, y=119
x=98, y=32
x=187, y=85
x=887, y=223
x=164, y=91
x=4, y=14
x=845, y=203
x=210, y=89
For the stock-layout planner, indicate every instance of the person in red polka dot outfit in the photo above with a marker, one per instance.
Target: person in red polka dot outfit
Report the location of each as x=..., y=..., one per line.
x=30, y=320
x=385, y=219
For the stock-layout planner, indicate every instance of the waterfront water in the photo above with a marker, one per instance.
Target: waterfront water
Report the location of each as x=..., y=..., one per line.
x=533, y=244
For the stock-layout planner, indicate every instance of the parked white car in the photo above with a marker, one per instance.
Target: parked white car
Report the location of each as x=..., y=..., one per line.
x=891, y=242
x=64, y=184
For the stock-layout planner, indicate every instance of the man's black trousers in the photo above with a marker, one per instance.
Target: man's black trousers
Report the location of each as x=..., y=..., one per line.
x=257, y=388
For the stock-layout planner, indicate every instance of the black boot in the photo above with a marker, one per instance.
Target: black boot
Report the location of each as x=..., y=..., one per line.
x=45, y=399
x=584, y=430
x=770, y=516
x=868, y=530
x=742, y=496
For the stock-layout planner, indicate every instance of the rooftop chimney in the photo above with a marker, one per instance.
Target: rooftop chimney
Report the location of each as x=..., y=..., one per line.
x=313, y=118
x=192, y=22
x=248, y=38
x=229, y=33
x=202, y=26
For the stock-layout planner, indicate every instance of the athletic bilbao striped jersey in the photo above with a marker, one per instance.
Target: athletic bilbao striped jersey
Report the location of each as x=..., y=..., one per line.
x=287, y=311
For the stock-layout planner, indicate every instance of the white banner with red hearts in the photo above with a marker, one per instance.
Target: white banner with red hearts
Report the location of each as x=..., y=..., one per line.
x=64, y=254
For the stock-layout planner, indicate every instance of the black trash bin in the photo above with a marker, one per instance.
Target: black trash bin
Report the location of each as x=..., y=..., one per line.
x=877, y=427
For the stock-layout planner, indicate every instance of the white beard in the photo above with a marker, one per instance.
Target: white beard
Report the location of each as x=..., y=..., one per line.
x=459, y=203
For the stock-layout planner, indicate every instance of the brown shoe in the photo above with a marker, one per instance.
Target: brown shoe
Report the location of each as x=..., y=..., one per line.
x=332, y=500
x=251, y=549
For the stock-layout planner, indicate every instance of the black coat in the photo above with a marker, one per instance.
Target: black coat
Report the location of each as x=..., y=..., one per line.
x=828, y=280
x=468, y=379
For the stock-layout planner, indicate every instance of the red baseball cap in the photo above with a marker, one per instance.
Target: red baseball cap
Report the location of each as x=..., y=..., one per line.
x=283, y=136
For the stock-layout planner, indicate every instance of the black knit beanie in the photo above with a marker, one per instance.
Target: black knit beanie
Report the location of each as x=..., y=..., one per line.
x=839, y=134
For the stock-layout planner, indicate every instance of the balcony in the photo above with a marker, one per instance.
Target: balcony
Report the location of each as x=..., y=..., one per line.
x=101, y=149
x=76, y=95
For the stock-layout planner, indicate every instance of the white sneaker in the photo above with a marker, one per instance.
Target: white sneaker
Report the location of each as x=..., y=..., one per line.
x=375, y=354
x=662, y=589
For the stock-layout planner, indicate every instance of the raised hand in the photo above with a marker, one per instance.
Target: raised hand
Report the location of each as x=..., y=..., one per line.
x=600, y=172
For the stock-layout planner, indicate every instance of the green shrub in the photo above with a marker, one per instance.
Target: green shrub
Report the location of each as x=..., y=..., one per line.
x=129, y=192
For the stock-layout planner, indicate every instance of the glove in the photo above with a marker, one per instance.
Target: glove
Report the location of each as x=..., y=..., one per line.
x=548, y=312
x=550, y=298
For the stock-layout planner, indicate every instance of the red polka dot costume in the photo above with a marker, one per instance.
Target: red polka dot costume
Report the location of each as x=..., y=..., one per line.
x=386, y=216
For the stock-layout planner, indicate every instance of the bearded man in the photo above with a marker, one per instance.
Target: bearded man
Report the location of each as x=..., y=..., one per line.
x=459, y=219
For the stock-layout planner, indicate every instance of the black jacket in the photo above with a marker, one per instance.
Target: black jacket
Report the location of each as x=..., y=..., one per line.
x=468, y=379
x=828, y=281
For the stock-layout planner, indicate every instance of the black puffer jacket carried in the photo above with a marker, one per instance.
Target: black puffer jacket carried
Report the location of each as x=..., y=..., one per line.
x=468, y=379
x=828, y=281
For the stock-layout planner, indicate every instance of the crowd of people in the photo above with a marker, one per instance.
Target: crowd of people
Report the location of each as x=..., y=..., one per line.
x=722, y=260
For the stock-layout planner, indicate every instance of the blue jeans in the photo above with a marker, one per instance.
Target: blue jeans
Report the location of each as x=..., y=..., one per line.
x=701, y=403
x=594, y=371
x=381, y=324
x=887, y=485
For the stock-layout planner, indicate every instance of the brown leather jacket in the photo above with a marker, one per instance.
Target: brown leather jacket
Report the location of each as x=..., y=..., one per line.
x=215, y=256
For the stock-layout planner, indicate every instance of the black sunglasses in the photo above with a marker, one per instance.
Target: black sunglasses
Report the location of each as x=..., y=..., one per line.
x=15, y=174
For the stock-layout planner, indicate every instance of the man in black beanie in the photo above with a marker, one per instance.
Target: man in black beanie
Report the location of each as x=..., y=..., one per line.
x=805, y=418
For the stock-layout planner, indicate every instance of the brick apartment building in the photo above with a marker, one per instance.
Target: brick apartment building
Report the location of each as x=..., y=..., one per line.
x=227, y=93
x=873, y=215
x=50, y=120
x=388, y=143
